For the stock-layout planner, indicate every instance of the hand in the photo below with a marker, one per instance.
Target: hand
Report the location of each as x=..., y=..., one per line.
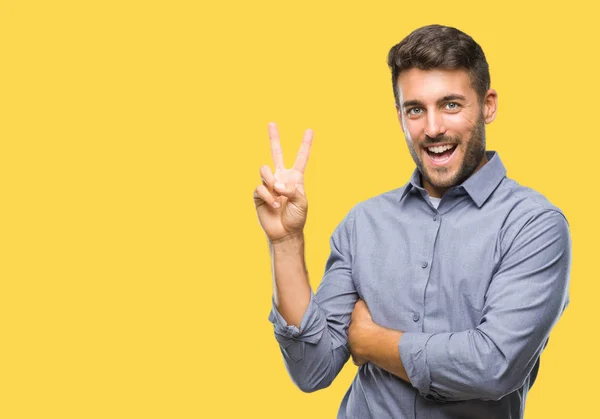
x=360, y=322
x=282, y=209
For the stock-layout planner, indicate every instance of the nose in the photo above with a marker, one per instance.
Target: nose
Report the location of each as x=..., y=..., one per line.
x=435, y=125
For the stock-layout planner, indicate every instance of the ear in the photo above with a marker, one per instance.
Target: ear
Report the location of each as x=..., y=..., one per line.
x=490, y=106
x=399, y=115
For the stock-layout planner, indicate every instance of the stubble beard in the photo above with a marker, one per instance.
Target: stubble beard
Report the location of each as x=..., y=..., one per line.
x=473, y=155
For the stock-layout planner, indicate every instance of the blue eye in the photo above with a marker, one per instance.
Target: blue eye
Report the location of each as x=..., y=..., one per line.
x=411, y=111
x=452, y=105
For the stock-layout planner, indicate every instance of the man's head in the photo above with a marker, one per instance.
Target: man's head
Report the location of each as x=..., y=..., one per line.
x=442, y=89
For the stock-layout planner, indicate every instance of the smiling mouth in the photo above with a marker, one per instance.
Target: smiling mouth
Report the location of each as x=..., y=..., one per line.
x=441, y=154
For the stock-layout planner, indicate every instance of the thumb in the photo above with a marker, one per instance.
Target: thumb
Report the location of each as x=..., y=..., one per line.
x=294, y=193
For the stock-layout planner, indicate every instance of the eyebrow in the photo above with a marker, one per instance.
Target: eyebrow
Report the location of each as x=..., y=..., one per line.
x=446, y=98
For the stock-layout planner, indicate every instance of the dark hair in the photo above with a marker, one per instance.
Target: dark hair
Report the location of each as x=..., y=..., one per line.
x=440, y=47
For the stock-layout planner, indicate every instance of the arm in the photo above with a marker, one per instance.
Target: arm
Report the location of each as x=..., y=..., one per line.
x=311, y=330
x=524, y=301
x=282, y=207
x=315, y=352
x=370, y=342
x=291, y=290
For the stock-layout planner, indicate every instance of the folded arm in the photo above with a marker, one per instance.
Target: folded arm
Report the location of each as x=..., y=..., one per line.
x=524, y=301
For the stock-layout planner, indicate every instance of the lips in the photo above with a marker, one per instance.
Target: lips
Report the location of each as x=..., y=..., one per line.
x=443, y=155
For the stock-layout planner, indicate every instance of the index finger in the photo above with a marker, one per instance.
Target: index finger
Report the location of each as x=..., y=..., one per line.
x=302, y=157
x=276, y=151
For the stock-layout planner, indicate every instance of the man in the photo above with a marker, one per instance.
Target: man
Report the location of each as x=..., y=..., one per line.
x=443, y=291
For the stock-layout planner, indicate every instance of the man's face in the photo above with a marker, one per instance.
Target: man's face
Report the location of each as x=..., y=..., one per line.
x=444, y=125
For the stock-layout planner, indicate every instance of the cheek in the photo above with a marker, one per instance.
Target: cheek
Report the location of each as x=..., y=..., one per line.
x=459, y=124
x=412, y=130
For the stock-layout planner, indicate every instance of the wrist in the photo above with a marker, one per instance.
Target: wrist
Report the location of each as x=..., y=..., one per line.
x=289, y=243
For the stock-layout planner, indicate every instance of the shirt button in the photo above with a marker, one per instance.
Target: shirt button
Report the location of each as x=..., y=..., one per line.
x=416, y=317
x=424, y=265
x=435, y=218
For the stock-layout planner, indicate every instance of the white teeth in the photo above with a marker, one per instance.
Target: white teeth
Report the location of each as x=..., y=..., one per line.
x=440, y=149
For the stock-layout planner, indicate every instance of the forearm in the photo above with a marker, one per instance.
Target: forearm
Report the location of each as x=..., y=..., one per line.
x=379, y=345
x=291, y=290
x=387, y=349
x=463, y=365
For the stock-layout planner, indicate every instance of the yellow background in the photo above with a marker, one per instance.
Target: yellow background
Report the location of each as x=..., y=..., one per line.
x=134, y=277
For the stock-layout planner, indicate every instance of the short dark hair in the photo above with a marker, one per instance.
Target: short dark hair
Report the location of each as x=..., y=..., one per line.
x=440, y=47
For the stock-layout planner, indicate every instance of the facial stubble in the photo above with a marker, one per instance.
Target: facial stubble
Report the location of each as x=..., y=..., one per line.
x=474, y=153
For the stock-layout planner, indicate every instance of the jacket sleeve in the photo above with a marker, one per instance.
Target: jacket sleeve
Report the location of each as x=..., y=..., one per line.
x=525, y=299
x=315, y=353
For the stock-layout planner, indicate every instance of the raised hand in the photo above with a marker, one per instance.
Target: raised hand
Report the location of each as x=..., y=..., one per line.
x=280, y=201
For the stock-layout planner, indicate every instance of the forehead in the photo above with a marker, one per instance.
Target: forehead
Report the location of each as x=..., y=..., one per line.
x=430, y=85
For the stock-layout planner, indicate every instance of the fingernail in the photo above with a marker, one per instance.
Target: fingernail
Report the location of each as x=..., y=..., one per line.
x=276, y=204
x=279, y=185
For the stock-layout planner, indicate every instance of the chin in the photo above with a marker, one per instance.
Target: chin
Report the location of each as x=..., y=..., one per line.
x=446, y=181
x=443, y=185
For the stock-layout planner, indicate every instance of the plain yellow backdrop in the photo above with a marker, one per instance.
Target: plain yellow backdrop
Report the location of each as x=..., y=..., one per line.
x=134, y=277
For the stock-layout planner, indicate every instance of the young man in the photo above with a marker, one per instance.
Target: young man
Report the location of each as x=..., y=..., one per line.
x=443, y=291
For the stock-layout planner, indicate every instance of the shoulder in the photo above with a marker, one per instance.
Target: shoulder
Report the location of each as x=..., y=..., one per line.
x=371, y=212
x=522, y=200
x=527, y=211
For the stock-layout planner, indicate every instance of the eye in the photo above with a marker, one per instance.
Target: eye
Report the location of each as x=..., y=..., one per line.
x=452, y=106
x=414, y=111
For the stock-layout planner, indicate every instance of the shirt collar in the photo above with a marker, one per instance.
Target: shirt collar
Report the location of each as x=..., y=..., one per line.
x=414, y=182
x=479, y=186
